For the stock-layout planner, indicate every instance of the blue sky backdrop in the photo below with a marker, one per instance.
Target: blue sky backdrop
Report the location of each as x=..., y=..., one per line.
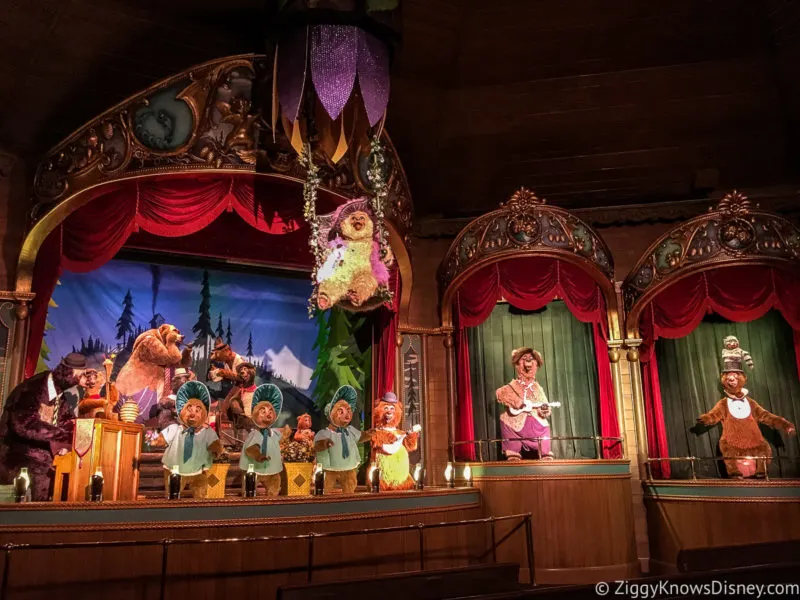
x=272, y=308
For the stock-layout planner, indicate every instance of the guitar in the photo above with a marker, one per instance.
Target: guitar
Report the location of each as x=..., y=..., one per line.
x=529, y=407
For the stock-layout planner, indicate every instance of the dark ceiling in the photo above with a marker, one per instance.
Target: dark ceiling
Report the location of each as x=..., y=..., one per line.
x=589, y=102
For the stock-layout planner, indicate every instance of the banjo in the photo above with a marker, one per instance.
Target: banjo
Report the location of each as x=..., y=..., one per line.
x=529, y=407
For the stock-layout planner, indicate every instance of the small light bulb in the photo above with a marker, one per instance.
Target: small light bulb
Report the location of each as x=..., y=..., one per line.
x=448, y=472
x=467, y=474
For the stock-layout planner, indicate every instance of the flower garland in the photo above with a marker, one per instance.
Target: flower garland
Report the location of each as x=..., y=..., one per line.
x=310, y=188
x=376, y=174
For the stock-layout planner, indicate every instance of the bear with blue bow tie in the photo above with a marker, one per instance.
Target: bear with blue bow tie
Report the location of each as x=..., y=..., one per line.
x=740, y=416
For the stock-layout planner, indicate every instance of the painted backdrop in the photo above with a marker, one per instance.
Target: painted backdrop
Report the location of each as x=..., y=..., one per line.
x=263, y=317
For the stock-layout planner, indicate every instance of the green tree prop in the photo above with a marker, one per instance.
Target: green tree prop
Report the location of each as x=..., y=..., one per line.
x=229, y=335
x=340, y=360
x=203, y=327
x=44, y=353
x=125, y=322
x=220, y=329
x=250, y=345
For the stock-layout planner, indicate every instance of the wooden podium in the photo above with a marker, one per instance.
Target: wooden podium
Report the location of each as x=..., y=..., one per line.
x=114, y=446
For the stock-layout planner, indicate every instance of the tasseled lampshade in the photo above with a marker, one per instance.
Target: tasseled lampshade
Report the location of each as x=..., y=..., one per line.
x=331, y=70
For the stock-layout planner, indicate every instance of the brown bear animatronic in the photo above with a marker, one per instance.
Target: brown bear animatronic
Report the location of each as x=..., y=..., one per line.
x=740, y=416
x=153, y=352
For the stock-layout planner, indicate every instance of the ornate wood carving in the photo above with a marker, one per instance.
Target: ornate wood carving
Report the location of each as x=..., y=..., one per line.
x=732, y=233
x=525, y=224
x=214, y=116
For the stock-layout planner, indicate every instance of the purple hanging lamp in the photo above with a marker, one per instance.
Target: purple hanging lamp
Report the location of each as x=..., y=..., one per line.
x=331, y=70
x=330, y=93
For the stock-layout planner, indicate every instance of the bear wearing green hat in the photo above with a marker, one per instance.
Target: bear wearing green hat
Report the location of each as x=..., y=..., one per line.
x=262, y=447
x=337, y=445
x=191, y=451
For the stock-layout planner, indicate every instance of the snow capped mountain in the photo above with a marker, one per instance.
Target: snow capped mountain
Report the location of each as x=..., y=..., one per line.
x=287, y=366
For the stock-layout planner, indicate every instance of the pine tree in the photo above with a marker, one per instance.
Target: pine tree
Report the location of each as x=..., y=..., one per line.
x=44, y=352
x=412, y=408
x=220, y=329
x=125, y=321
x=203, y=327
x=340, y=361
x=229, y=336
x=250, y=345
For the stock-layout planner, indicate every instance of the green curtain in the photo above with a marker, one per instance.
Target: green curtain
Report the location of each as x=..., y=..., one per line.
x=569, y=374
x=689, y=370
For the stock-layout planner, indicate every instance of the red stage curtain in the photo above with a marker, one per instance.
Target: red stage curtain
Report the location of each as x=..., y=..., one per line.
x=529, y=284
x=739, y=294
x=385, y=346
x=171, y=206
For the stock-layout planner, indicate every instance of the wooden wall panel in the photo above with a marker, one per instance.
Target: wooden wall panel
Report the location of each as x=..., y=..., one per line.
x=438, y=412
x=676, y=524
x=216, y=571
x=582, y=527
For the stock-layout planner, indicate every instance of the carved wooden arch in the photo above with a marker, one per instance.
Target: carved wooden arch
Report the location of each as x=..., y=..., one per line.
x=525, y=226
x=211, y=118
x=734, y=233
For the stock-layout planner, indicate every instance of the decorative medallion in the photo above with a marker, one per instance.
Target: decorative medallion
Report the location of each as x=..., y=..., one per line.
x=524, y=223
x=209, y=116
x=737, y=234
x=734, y=232
x=164, y=121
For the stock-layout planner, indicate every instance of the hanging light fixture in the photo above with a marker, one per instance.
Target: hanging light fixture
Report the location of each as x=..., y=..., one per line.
x=331, y=71
x=330, y=93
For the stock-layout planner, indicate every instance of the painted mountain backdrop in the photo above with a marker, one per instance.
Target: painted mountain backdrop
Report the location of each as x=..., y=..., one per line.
x=263, y=317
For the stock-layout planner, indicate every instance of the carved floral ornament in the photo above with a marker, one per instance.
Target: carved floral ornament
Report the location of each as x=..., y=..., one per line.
x=524, y=224
x=205, y=118
x=734, y=232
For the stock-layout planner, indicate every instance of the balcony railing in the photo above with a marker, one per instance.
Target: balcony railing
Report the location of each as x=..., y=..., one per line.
x=597, y=439
x=693, y=460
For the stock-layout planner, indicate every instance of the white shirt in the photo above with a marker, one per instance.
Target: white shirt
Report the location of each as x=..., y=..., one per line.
x=739, y=407
x=170, y=431
x=51, y=388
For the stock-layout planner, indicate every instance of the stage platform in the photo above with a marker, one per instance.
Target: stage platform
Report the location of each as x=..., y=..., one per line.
x=583, y=525
x=161, y=514
x=182, y=539
x=708, y=513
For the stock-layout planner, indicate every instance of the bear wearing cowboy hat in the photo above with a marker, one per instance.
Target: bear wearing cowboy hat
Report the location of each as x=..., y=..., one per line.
x=524, y=424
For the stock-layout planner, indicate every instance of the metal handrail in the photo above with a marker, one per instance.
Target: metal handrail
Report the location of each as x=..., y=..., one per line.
x=598, y=440
x=525, y=520
x=692, y=459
